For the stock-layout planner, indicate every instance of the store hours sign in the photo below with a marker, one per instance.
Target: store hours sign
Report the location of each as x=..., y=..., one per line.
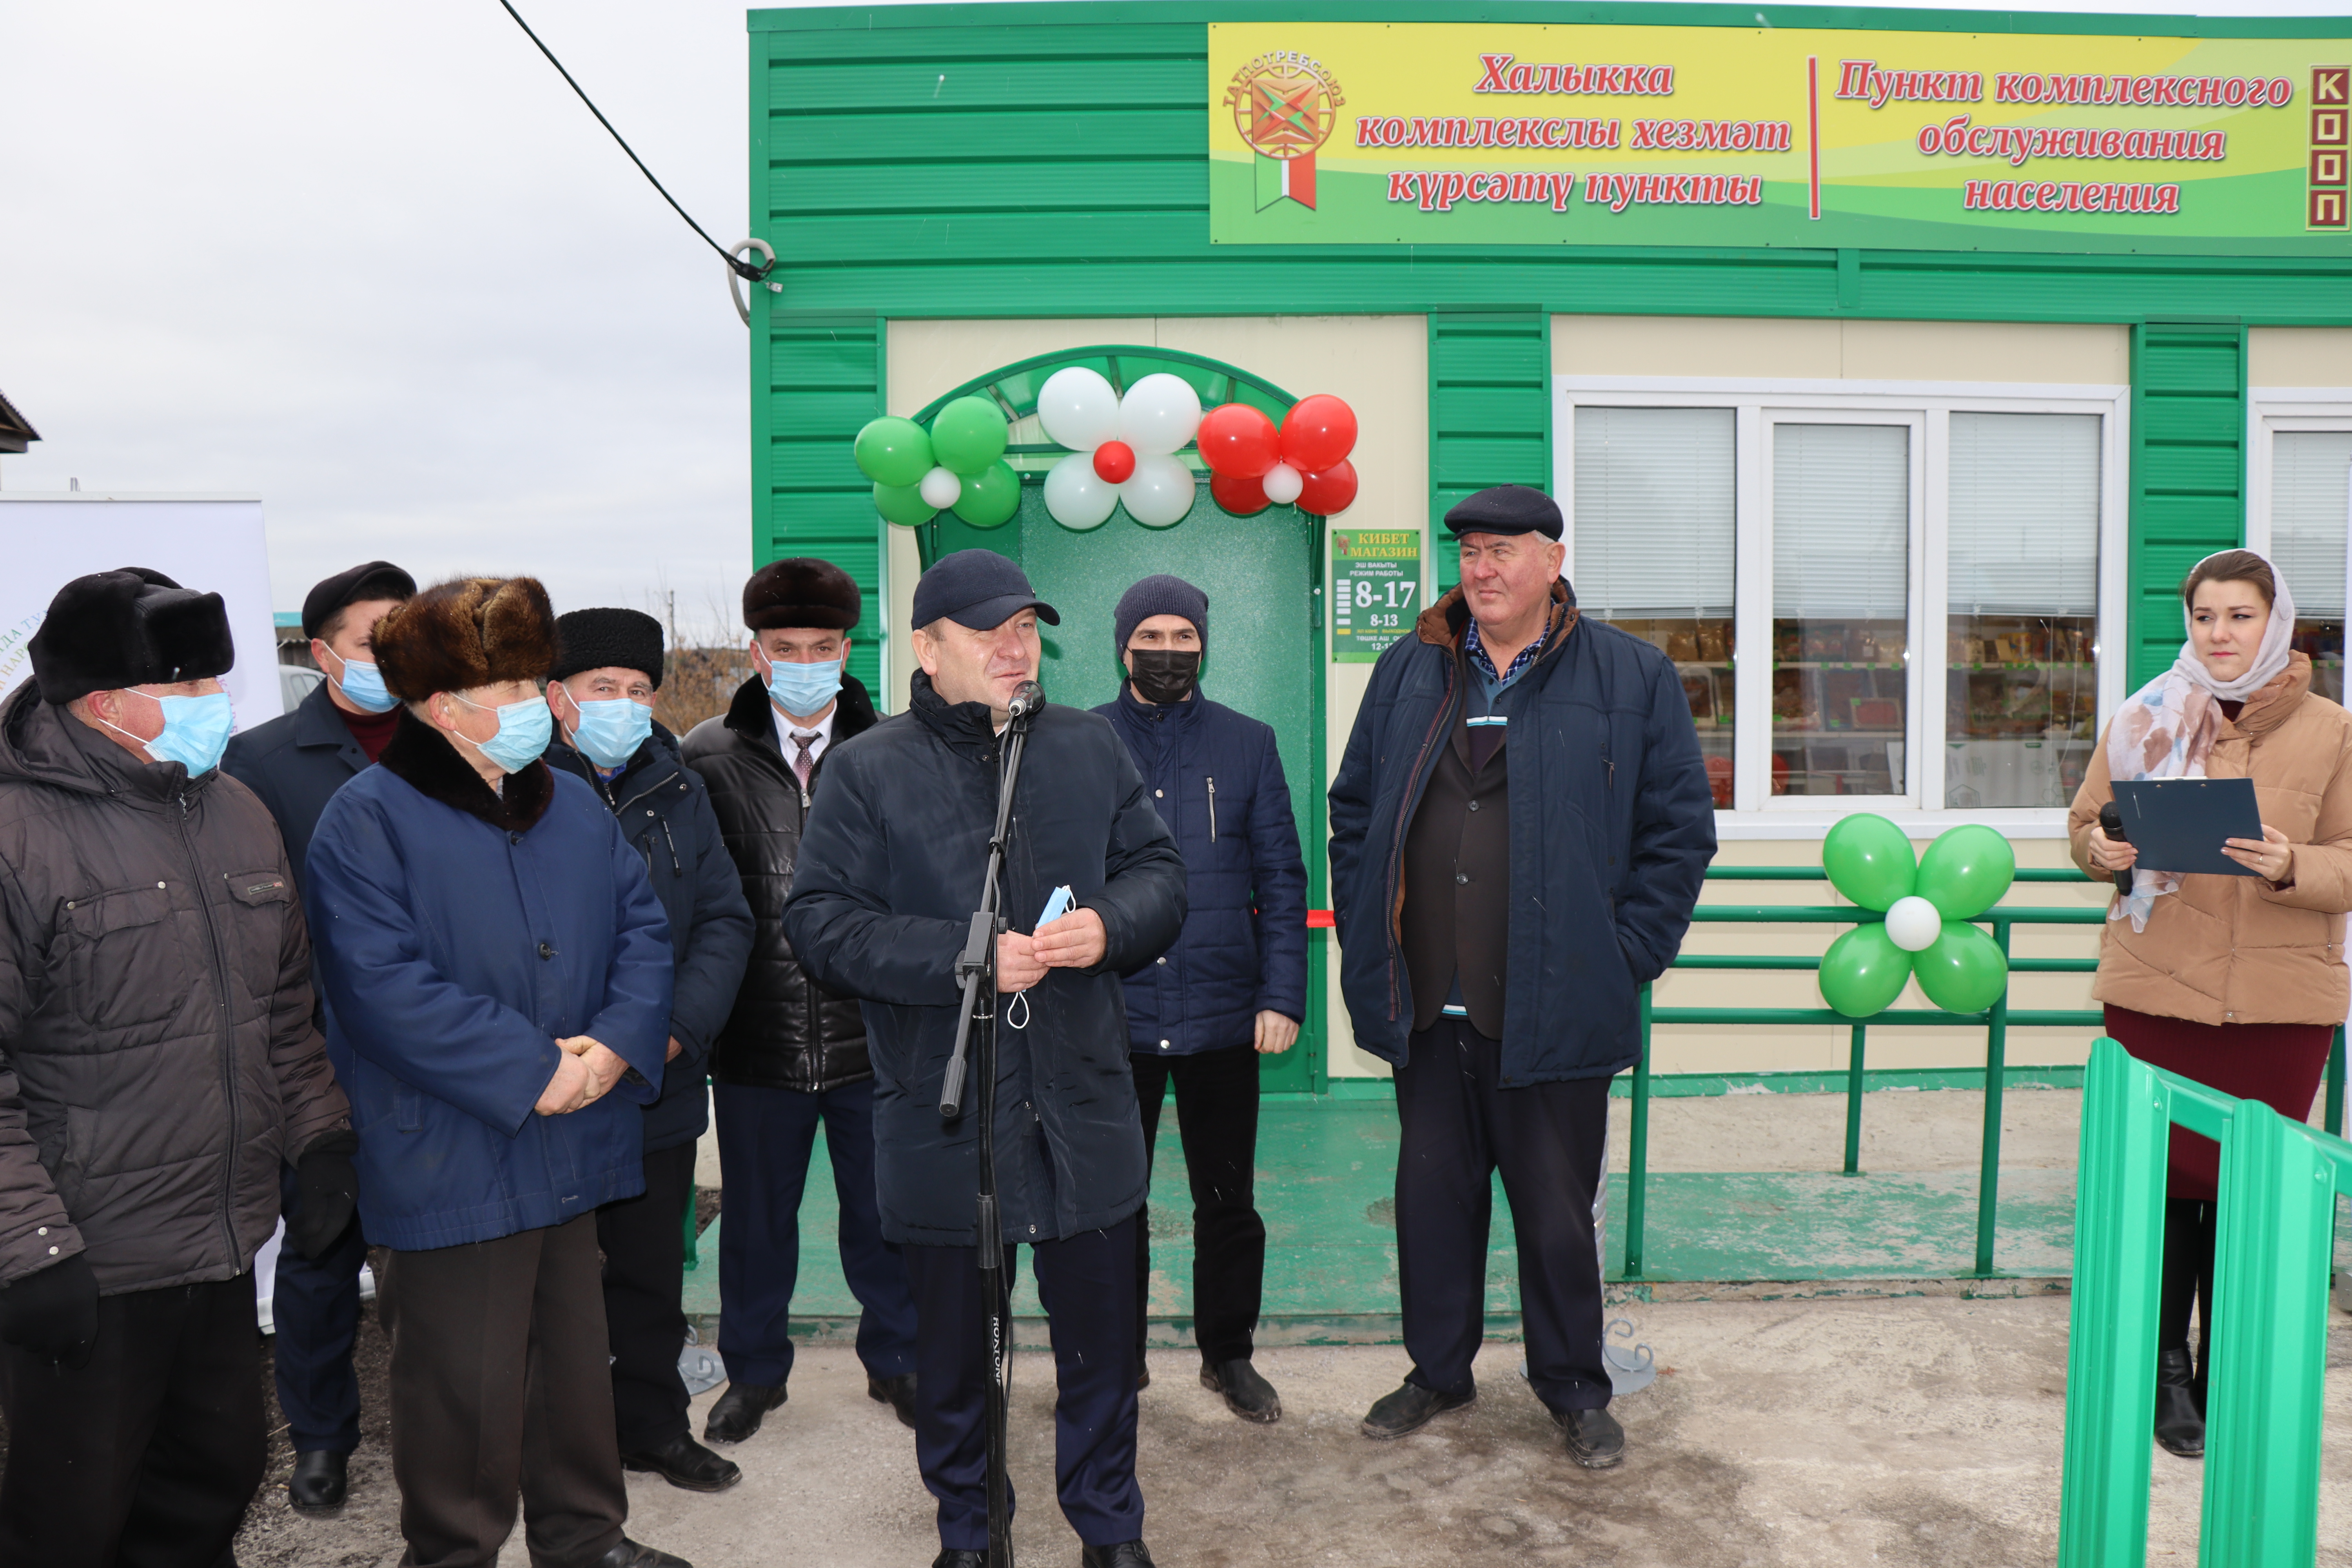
x=1375, y=590
x=1354, y=134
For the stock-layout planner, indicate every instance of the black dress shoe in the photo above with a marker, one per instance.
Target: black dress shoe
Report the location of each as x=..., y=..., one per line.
x=319, y=1482
x=1408, y=1410
x=897, y=1393
x=736, y=1413
x=2179, y=1414
x=1126, y=1554
x=956, y=1557
x=1595, y=1440
x=1143, y=1375
x=1247, y=1395
x=683, y=1462
x=627, y=1553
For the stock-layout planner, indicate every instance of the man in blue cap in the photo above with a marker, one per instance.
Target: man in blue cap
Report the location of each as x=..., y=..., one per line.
x=890, y=868
x=1519, y=828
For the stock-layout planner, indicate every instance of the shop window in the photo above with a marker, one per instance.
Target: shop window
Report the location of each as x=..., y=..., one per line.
x=2021, y=700
x=2311, y=495
x=1841, y=610
x=1656, y=492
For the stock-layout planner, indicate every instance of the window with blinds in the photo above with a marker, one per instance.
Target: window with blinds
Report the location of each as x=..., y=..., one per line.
x=1841, y=608
x=1655, y=531
x=2310, y=506
x=2020, y=692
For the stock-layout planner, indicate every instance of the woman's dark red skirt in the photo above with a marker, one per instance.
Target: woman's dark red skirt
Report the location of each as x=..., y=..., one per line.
x=2279, y=1064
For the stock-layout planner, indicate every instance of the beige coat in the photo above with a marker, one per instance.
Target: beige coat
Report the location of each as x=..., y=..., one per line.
x=2236, y=950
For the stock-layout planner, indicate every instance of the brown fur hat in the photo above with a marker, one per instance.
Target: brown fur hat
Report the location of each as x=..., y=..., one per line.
x=802, y=592
x=465, y=633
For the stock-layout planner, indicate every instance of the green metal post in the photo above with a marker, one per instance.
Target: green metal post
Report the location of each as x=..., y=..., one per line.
x=2335, y=1085
x=1853, y=1104
x=1637, y=1158
x=1996, y=1076
x=693, y=1242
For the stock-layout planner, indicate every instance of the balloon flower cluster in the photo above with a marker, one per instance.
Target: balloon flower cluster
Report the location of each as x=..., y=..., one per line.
x=1255, y=464
x=1123, y=449
x=958, y=463
x=1927, y=901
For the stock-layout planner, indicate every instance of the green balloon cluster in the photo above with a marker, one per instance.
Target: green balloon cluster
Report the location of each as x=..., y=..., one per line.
x=1928, y=902
x=964, y=446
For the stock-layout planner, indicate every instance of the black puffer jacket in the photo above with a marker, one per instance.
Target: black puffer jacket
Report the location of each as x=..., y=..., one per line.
x=786, y=1031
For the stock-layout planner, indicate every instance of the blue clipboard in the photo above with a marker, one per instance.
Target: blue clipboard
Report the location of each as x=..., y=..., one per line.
x=2179, y=825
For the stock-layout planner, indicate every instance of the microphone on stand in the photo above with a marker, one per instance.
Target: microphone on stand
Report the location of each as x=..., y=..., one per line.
x=1027, y=698
x=2111, y=823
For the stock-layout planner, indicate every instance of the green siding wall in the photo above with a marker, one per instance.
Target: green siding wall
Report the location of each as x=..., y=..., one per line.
x=2187, y=472
x=1489, y=411
x=820, y=381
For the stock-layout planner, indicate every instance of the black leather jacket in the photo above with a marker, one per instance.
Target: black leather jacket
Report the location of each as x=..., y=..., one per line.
x=786, y=1031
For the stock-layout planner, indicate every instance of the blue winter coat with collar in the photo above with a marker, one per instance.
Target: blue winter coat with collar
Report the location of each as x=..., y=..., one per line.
x=664, y=813
x=1216, y=779
x=459, y=934
x=1613, y=825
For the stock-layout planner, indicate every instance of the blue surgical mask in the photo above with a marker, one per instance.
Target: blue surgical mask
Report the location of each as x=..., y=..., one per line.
x=195, y=730
x=363, y=684
x=611, y=732
x=524, y=730
x=803, y=690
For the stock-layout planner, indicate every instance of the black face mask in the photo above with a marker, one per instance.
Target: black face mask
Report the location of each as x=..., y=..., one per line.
x=1165, y=675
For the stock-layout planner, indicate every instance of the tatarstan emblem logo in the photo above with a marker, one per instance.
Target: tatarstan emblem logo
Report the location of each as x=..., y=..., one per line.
x=1286, y=106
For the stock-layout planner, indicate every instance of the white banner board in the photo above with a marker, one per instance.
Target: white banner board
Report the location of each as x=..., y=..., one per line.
x=215, y=545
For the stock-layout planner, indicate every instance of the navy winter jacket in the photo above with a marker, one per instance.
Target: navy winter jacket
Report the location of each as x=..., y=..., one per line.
x=295, y=763
x=889, y=874
x=459, y=934
x=1216, y=780
x=665, y=814
x=1613, y=825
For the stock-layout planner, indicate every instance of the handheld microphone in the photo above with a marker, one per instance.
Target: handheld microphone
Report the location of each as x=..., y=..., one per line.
x=2111, y=823
x=1027, y=698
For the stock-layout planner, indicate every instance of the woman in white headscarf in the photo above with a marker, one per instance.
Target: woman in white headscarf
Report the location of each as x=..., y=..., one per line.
x=2235, y=982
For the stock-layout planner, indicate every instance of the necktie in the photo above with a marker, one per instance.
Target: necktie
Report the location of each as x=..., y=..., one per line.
x=804, y=738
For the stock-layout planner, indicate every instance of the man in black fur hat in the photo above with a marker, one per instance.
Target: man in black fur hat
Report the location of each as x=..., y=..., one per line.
x=158, y=1059
x=792, y=1054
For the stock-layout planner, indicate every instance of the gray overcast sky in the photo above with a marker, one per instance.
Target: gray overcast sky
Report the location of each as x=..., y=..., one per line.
x=377, y=265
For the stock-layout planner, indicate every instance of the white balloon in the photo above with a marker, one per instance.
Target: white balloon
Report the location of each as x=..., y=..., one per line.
x=1158, y=415
x=1160, y=493
x=942, y=488
x=1078, y=408
x=1076, y=496
x=1282, y=484
x=1913, y=924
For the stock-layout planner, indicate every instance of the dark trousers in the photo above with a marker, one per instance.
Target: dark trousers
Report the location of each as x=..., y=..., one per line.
x=147, y=1456
x=1217, y=1112
x=314, y=1308
x=765, y=1137
x=1084, y=1282
x=499, y=1390
x=2186, y=1279
x=644, y=1240
x=1458, y=1126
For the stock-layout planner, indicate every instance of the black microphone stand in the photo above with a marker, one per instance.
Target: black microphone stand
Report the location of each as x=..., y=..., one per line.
x=976, y=1030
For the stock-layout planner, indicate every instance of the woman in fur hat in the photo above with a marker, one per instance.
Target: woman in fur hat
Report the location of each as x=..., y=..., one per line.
x=498, y=976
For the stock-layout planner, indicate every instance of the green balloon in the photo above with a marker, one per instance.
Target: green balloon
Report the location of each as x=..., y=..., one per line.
x=893, y=451
x=1962, y=971
x=1965, y=870
x=989, y=496
x=1863, y=971
x=903, y=504
x=1869, y=861
x=967, y=436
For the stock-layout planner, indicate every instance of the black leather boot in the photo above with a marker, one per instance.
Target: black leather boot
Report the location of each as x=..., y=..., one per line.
x=736, y=1413
x=1247, y=1393
x=319, y=1482
x=1408, y=1409
x=897, y=1393
x=2180, y=1413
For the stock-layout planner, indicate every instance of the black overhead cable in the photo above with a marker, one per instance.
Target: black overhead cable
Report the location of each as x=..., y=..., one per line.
x=750, y=271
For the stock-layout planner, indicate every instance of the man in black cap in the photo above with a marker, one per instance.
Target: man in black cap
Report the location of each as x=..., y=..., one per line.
x=608, y=667
x=1519, y=829
x=158, y=1061
x=1234, y=985
x=295, y=763
x=792, y=1055
x=889, y=874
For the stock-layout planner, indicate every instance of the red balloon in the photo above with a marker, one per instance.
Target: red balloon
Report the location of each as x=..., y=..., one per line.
x=1114, y=462
x=1318, y=433
x=1333, y=490
x=1241, y=495
x=1239, y=440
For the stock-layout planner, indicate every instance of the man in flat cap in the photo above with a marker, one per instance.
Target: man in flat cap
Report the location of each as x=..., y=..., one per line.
x=792, y=1053
x=1519, y=828
x=294, y=762
x=891, y=872
x=158, y=1061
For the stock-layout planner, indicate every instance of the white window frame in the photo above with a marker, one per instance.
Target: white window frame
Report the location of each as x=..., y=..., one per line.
x=2269, y=410
x=1927, y=407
